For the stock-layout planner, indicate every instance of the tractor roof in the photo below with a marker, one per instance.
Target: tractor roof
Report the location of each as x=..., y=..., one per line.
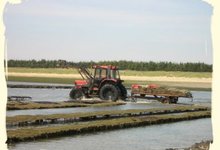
x=106, y=67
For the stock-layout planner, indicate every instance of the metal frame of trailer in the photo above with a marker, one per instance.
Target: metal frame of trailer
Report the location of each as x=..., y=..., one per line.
x=162, y=94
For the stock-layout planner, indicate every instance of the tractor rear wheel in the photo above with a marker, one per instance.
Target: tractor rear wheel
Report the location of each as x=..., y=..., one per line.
x=123, y=92
x=109, y=92
x=76, y=93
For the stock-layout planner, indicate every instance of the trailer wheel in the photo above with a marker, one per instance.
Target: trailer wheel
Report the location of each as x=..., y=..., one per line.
x=173, y=100
x=165, y=100
x=170, y=100
x=76, y=93
x=109, y=92
x=142, y=95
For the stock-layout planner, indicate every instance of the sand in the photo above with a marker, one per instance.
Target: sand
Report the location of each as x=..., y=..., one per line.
x=131, y=78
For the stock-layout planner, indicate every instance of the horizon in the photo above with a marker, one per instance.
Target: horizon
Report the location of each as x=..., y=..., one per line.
x=97, y=61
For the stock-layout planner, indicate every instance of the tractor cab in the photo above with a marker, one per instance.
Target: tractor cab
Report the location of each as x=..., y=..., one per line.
x=105, y=82
x=105, y=73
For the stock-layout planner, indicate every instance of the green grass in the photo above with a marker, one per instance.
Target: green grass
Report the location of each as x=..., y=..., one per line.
x=122, y=72
x=43, y=70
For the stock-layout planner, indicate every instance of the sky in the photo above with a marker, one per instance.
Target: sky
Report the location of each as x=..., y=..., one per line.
x=95, y=30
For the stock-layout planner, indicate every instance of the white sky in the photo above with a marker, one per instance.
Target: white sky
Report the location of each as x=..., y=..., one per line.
x=138, y=30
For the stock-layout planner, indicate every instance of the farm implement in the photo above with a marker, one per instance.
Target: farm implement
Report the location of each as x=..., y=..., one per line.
x=162, y=94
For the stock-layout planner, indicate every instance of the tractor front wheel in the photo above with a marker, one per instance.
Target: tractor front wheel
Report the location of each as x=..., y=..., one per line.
x=109, y=92
x=76, y=93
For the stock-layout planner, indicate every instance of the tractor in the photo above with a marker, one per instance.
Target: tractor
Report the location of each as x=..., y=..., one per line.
x=104, y=83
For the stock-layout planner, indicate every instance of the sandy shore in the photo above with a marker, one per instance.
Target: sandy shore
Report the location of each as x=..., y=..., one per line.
x=132, y=78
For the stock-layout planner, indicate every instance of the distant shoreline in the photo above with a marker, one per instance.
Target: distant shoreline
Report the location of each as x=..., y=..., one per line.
x=180, y=82
x=133, y=78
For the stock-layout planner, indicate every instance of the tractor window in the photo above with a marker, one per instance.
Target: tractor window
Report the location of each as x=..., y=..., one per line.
x=104, y=73
x=100, y=73
x=115, y=74
x=97, y=73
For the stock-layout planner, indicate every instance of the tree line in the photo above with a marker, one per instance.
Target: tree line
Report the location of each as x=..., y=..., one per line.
x=122, y=64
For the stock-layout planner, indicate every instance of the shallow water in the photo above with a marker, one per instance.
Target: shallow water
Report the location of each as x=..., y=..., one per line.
x=200, y=97
x=63, y=94
x=86, y=109
x=38, y=94
x=36, y=83
x=156, y=137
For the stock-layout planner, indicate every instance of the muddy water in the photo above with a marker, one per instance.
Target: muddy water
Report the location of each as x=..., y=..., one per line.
x=157, y=137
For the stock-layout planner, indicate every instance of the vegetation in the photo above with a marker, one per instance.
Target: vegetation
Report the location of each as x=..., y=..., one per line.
x=33, y=133
x=43, y=70
x=39, y=119
x=17, y=105
x=122, y=72
x=127, y=83
x=42, y=79
x=123, y=65
x=204, y=145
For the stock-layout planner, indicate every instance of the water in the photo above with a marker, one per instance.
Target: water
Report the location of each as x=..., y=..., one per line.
x=36, y=94
x=63, y=94
x=36, y=83
x=56, y=95
x=157, y=137
x=199, y=97
x=86, y=109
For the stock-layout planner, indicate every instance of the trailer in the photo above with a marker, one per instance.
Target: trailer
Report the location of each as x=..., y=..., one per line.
x=106, y=84
x=160, y=93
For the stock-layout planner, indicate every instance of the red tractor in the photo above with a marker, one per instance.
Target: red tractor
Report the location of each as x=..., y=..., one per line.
x=105, y=83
